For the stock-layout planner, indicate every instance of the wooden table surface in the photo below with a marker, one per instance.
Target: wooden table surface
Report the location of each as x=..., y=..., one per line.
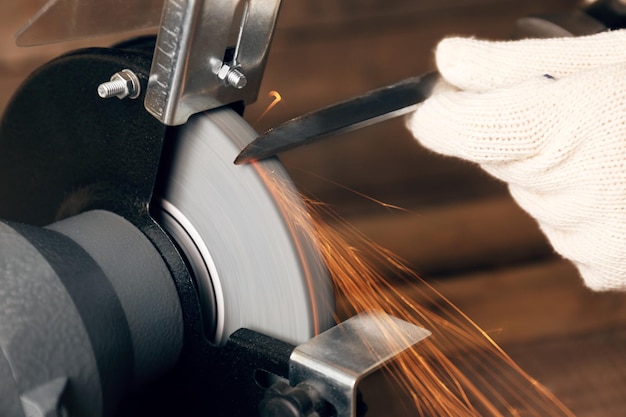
x=458, y=227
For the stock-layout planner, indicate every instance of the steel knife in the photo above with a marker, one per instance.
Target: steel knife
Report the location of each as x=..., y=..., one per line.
x=372, y=107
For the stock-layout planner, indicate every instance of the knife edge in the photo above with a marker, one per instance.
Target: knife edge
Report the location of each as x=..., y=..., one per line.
x=370, y=108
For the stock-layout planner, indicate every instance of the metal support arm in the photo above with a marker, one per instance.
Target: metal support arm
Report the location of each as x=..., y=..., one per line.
x=195, y=66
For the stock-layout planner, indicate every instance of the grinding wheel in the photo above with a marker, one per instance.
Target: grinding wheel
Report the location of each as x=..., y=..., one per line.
x=252, y=266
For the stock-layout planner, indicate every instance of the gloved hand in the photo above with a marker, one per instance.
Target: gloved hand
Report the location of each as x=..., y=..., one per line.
x=549, y=118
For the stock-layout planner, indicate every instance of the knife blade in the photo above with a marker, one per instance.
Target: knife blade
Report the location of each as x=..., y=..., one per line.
x=372, y=107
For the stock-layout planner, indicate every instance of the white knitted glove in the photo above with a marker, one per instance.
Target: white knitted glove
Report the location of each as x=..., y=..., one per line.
x=549, y=118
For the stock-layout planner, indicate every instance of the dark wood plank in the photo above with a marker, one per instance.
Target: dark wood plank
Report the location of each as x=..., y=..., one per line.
x=543, y=301
x=586, y=372
x=311, y=13
x=458, y=237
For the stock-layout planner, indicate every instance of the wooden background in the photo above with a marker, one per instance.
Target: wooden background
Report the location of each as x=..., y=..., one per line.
x=459, y=228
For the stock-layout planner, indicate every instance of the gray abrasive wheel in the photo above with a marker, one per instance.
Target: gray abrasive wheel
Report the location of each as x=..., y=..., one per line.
x=254, y=267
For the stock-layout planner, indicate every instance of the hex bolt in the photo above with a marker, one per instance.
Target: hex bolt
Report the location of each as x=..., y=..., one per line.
x=301, y=401
x=232, y=76
x=122, y=84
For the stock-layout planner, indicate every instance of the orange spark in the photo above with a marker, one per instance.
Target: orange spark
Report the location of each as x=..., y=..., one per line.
x=459, y=370
x=277, y=98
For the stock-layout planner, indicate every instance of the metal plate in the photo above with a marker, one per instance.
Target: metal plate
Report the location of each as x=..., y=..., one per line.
x=337, y=360
x=261, y=275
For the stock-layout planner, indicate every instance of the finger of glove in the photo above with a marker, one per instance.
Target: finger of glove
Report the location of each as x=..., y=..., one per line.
x=585, y=218
x=542, y=119
x=492, y=127
x=481, y=65
x=597, y=254
x=580, y=136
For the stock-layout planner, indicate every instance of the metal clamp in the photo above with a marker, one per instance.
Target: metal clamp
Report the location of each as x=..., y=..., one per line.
x=196, y=67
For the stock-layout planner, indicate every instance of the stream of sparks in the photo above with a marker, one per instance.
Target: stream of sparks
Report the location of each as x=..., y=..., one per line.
x=458, y=371
x=276, y=98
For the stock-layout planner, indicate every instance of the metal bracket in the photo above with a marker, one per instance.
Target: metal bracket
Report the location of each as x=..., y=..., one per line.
x=195, y=66
x=337, y=360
